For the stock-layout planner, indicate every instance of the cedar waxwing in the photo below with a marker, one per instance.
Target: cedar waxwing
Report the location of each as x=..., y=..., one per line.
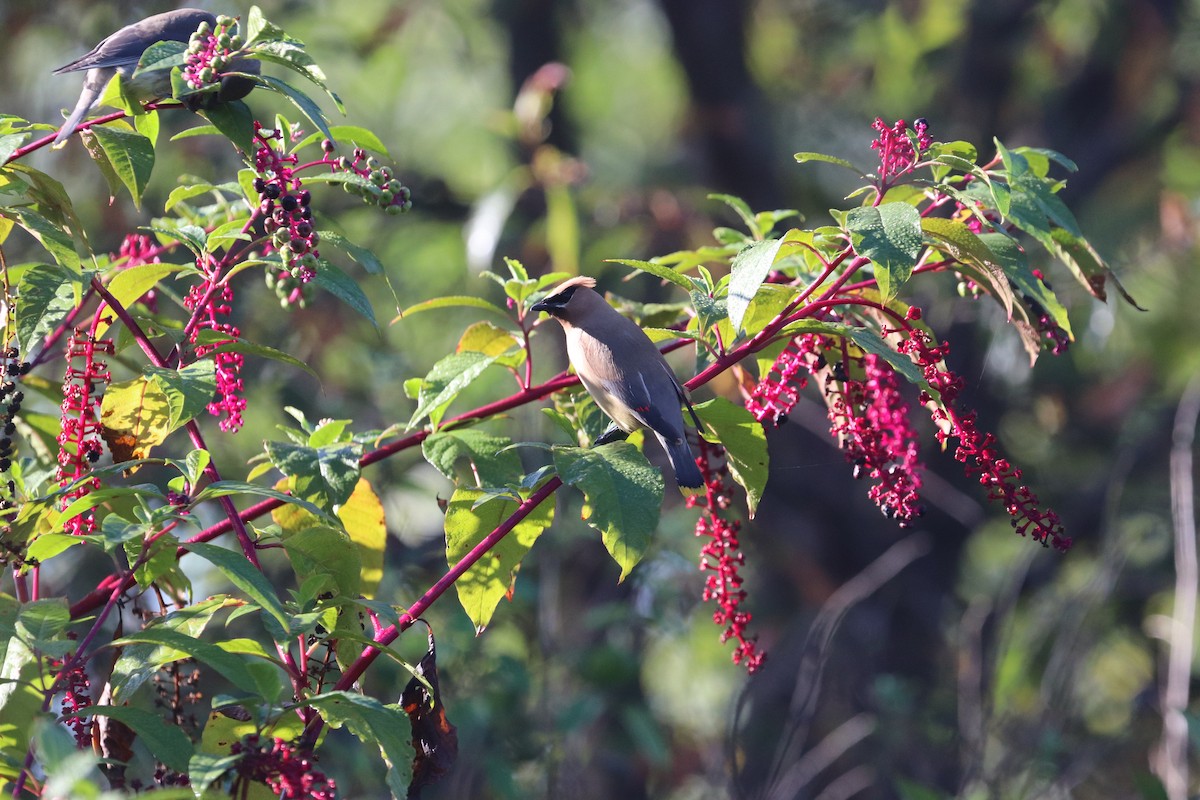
x=119, y=53
x=624, y=372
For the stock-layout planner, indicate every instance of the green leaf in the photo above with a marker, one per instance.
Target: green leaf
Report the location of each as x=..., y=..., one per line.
x=161, y=56
x=131, y=155
x=21, y=675
x=489, y=462
x=228, y=665
x=302, y=101
x=321, y=550
x=228, y=487
x=242, y=574
x=1016, y=266
x=445, y=381
x=205, y=769
x=742, y=209
x=54, y=238
x=48, y=545
x=45, y=295
x=749, y=269
x=41, y=623
x=228, y=344
x=188, y=390
x=890, y=236
x=325, y=476
x=745, y=445
x=960, y=243
x=375, y=725
x=492, y=576
x=356, y=136
x=138, y=662
x=167, y=743
x=361, y=255
x=363, y=520
x=1085, y=263
x=624, y=494
x=455, y=301
x=657, y=270
x=235, y=121
x=805, y=157
x=341, y=286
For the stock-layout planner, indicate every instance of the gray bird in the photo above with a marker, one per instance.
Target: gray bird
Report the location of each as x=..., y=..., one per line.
x=119, y=53
x=624, y=372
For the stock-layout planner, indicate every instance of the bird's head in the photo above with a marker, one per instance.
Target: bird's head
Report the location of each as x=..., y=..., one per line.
x=566, y=298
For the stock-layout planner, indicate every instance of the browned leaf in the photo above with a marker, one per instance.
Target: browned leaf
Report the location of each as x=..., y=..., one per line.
x=434, y=739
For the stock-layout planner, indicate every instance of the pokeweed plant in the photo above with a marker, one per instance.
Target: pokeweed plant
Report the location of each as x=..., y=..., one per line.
x=142, y=363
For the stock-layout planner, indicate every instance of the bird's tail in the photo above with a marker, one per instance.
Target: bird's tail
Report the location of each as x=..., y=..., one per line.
x=687, y=474
x=86, y=100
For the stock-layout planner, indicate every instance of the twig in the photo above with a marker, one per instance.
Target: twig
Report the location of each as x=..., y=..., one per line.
x=1170, y=760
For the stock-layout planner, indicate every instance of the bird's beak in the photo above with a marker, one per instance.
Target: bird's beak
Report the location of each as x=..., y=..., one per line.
x=540, y=306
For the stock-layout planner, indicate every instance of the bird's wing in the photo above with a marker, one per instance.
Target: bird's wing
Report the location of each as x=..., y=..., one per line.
x=125, y=47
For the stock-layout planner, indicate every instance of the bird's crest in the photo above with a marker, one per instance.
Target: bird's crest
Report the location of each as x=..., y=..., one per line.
x=579, y=280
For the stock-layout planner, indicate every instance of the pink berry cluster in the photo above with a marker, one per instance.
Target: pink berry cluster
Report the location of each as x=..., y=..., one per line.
x=138, y=249
x=896, y=152
x=79, y=441
x=867, y=415
x=76, y=689
x=210, y=302
x=210, y=51
x=977, y=449
x=289, y=771
x=721, y=557
x=870, y=418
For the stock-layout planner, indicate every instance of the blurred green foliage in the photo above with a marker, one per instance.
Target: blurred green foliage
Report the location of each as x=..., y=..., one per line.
x=988, y=668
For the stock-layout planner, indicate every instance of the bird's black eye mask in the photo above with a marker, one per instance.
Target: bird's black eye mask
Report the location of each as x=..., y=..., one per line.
x=555, y=302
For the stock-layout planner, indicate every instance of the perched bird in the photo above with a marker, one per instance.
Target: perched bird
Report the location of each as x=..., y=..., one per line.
x=624, y=372
x=119, y=53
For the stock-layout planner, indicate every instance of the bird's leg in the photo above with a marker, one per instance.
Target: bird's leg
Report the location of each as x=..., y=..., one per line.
x=613, y=434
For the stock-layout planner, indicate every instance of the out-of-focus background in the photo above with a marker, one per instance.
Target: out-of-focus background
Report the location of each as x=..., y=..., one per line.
x=953, y=658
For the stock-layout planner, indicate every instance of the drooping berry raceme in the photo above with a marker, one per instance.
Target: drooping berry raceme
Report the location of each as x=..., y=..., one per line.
x=870, y=419
x=285, y=208
x=721, y=557
x=286, y=211
x=79, y=440
x=210, y=52
x=76, y=690
x=288, y=770
x=977, y=449
x=210, y=302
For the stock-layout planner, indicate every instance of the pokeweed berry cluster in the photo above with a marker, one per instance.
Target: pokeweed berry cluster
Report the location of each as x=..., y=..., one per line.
x=80, y=443
x=721, y=556
x=899, y=147
x=287, y=769
x=136, y=250
x=210, y=51
x=211, y=302
x=977, y=449
x=76, y=689
x=11, y=398
x=285, y=207
x=867, y=414
x=385, y=190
